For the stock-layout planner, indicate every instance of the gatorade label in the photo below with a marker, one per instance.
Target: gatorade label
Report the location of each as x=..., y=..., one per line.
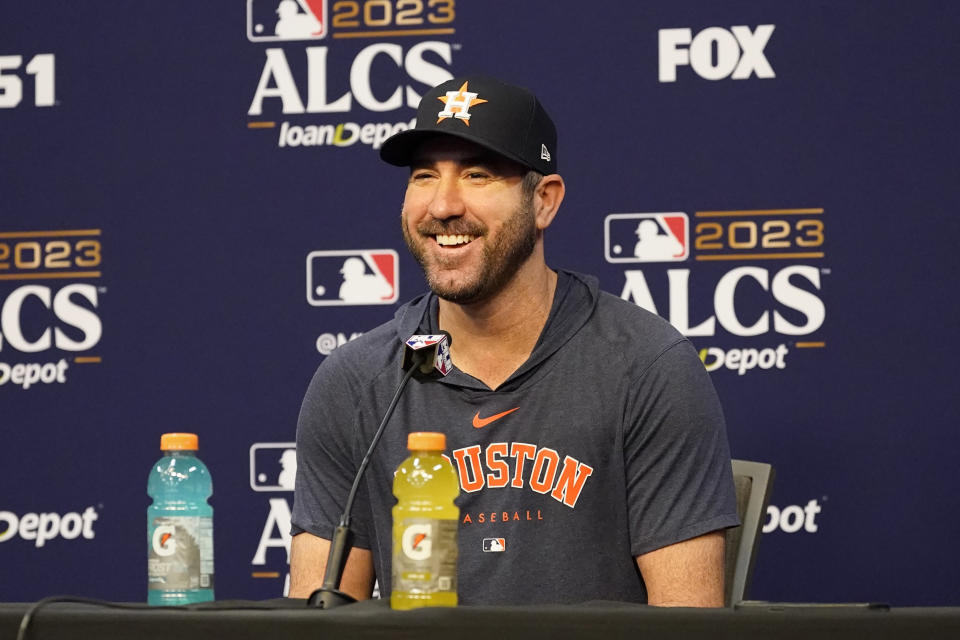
x=427, y=562
x=181, y=553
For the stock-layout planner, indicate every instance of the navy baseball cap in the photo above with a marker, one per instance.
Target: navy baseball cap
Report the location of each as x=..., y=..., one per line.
x=501, y=117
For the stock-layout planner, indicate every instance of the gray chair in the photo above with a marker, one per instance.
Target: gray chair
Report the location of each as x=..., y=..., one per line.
x=753, y=481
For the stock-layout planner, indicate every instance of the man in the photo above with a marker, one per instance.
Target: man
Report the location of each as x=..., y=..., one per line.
x=587, y=436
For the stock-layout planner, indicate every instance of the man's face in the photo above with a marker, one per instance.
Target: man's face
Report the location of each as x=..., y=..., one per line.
x=465, y=219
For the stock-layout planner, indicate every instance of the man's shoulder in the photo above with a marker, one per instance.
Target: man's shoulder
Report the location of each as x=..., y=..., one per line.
x=628, y=339
x=616, y=334
x=619, y=317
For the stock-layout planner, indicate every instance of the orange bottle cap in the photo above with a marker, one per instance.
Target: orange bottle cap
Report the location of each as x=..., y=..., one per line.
x=179, y=442
x=426, y=440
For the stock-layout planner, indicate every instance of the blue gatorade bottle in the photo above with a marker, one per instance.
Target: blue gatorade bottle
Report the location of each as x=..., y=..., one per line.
x=179, y=525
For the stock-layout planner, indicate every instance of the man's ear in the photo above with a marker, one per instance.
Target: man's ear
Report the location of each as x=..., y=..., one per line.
x=548, y=196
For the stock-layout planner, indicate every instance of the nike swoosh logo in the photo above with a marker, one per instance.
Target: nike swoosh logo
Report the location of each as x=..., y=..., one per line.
x=480, y=423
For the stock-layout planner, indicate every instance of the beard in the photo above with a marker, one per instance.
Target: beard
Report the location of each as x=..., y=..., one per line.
x=499, y=262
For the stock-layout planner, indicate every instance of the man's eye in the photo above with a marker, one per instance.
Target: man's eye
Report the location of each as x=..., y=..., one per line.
x=477, y=175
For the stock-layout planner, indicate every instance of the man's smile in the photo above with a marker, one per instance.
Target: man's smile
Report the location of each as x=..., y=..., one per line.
x=453, y=240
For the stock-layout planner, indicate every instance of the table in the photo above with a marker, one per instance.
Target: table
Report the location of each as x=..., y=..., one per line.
x=285, y=619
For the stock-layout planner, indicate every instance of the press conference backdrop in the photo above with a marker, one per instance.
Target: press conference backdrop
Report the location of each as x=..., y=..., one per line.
x=193, y=215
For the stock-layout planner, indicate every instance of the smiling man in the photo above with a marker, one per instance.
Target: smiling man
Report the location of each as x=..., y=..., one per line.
x=588, y=439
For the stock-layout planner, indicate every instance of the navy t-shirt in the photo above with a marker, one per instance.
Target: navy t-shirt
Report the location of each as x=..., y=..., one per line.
x=609, y=442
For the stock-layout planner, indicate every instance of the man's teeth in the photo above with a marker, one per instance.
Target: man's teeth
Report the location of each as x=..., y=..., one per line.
x=448, y=241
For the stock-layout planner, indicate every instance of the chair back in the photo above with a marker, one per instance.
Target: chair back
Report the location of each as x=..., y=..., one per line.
x=753, y=481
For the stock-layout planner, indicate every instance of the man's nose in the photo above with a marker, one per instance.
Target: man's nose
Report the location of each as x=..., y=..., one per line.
x=447, y=201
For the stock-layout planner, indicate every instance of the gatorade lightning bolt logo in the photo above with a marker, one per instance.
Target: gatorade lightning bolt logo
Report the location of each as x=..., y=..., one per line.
x=164, y=544
x=416, y=541
x=420, y=537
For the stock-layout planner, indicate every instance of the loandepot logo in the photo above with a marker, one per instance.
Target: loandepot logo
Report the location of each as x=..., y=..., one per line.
x=748, y=281
x=343, y=134
x=41, y=528
x=304, y=96
x=793, y=518
x=743, y=360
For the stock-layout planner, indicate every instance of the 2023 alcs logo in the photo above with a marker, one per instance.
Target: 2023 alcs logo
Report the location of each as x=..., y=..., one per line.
x=36, y=318
x=307, y=19
x=288, y=88
x=747, y=300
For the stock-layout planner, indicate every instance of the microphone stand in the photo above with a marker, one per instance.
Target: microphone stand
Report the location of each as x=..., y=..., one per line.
x=329, y=595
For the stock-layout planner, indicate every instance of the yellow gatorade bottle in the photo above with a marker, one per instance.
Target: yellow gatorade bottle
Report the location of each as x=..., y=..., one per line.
x=425, y=521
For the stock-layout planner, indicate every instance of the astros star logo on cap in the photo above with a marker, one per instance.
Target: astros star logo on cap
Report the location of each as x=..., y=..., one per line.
x=458, y=104
x=510, y=121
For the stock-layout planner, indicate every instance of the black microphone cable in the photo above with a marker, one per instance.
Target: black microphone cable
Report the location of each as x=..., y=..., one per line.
x=329, y=594
x=27, y=626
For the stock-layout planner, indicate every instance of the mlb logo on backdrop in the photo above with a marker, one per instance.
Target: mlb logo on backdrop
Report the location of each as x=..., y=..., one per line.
x=273, y=20
x=354, y=277
x=273, y=466
x=646, y=237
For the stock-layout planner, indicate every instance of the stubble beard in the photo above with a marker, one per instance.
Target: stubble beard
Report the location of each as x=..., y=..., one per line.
x=500, y=259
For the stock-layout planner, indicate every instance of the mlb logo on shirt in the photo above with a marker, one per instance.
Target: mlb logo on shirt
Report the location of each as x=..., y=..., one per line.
x=494, y=545
x=647, y=237
x=272, y=20
x=273, y=466
x=355, y=277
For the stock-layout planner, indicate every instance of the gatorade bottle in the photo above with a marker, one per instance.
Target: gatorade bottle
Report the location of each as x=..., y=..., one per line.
x=425, y=524
x=179, y=525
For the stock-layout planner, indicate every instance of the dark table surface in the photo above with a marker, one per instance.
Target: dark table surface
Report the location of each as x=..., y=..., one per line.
x=284, y=619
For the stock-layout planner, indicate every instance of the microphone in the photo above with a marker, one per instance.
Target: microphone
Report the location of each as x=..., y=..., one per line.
x=433, y=352
x=425, y=354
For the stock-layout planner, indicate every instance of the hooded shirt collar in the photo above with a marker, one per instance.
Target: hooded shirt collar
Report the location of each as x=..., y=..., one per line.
x=574, y=302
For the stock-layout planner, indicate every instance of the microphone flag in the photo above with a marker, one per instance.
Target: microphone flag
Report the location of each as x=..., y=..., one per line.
x=432, y=352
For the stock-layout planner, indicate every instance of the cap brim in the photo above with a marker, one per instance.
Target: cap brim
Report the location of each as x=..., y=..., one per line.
x=400, y=149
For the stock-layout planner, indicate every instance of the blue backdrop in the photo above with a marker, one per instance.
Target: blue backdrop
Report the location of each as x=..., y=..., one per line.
x=182, y=183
